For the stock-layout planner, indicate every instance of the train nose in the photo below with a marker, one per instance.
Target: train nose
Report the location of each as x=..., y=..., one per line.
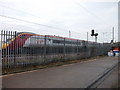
x=4, y=45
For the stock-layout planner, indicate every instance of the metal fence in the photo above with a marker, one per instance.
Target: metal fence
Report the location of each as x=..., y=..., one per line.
x=16, y=51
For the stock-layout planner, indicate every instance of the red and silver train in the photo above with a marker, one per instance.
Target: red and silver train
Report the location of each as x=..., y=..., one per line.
x=48, y=44
x=27, y=39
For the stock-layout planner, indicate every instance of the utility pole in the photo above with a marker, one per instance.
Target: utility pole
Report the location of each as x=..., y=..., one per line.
x=103, y=37
x=87, y=36
x=69, y=34
x=113, y=34
x=95, y=38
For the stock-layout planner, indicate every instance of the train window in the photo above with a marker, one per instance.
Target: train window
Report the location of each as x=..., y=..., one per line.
x=49, y=39
x=75, y=43
x=58, y=41
x=79, y=43
x=22, y=36
x=67, y=42
x=8, y=40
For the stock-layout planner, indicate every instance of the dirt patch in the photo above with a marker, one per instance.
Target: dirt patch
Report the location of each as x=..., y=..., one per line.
x=36, y=67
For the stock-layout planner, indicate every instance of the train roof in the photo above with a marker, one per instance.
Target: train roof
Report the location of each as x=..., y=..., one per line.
x=24, y=32
x=49, y=36
x=62, y=37
x=54, y=36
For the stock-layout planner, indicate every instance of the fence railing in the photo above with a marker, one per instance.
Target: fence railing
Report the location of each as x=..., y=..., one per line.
x=28, y=49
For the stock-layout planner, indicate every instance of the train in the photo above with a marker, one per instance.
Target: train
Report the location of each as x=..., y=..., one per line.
x=27, y=39
x=49, y=48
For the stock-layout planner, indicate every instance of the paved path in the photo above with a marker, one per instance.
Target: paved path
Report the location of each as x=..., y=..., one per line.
x=76, y=75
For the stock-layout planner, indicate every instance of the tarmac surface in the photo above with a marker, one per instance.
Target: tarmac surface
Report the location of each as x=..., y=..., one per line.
x=76, y=75
x=111, y=81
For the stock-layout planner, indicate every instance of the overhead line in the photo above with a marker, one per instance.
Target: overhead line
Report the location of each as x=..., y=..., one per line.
x=78, y=4
x=97, y=17
x=30, y=22
x=36, y=23
x=20, y=11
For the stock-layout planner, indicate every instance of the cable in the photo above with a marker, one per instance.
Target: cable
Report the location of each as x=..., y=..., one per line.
x=97, y=17
x=31, y=15
x=31, y=22
x=39, y=17
x=19, y=10
x=25, y=20
x=78, y=4
x=57, y=33
x=37, y=23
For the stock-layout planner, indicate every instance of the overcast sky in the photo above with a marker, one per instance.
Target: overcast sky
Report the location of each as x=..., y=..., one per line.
x=57, y=17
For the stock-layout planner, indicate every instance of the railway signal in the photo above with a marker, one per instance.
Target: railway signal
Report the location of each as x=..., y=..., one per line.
x=94, y=34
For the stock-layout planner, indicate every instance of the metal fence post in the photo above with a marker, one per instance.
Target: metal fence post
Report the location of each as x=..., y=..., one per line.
x=77, y=48
x=64, y=49
x=45, y=49
x=1, y=53
x=15, y=50
x=6, y=49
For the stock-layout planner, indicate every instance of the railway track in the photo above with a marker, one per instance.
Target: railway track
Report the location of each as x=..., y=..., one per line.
x=98, y=81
